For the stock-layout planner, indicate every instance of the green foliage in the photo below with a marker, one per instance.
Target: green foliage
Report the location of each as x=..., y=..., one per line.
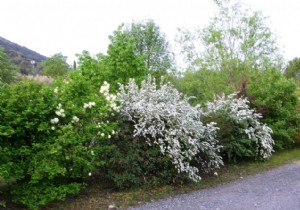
x=293, y=70
x=91, y=68
x=132, y=51
x=236, y=144
x=203, y=85
x=51, y=138
x=133, y=162
x=36, y=195
x=236, y=39
x=274, y=96
x=151, y=44
x=55, y=66
x=118, y=66
x=122, y=63
x=7, y=71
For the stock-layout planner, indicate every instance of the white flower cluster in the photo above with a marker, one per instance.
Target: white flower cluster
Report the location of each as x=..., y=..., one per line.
x=54, y=120
x=89, y=105
x=104, y=88
x=239, y=110
x=60, y=112
x=110, y=98
x=75, y=119
x=163, y=117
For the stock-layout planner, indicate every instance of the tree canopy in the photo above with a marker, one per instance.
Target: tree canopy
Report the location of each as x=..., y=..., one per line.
x=293, y=69
x=55, y=66
x=121, y=61
x=236, y=38
x=150, y=43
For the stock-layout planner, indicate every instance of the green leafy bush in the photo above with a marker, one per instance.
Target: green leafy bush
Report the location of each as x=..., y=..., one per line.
x=51, y=138
x=275, y=98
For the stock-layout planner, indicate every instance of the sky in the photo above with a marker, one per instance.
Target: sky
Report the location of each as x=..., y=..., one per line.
x=71, y=26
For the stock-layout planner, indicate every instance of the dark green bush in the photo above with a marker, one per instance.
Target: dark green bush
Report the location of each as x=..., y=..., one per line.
x=235, y=143
x=133, y=162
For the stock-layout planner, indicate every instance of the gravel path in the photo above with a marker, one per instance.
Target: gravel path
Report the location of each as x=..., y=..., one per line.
x=275, y=189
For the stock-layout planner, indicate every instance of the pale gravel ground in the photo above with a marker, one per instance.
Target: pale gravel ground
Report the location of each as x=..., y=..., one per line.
x=275, y=189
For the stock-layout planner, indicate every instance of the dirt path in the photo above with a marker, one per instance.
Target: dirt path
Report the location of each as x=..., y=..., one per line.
x=275, y=189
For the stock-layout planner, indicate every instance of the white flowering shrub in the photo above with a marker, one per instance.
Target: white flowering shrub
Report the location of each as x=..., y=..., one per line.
x=51, y=138
x=163, y=118
x=241, y=133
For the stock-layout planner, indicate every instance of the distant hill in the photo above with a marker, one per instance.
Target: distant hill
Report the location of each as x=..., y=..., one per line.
x=22, y=57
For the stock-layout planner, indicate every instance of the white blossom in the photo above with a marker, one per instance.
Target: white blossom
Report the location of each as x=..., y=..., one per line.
x=239, y=111
x=164, y=117
x=59, y=106
x=54, y=120
x=75, y=119
x=110, y=98
x=60, y=112
x=104, y=88
x=98, y=125
x=89, y=105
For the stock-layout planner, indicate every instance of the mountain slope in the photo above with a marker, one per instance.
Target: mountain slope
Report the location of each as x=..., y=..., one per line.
x=22, y=57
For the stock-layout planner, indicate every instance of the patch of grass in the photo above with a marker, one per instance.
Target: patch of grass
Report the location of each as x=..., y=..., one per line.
x=99, y=195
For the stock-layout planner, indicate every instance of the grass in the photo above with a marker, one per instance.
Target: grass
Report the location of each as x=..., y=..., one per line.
x=100, y=195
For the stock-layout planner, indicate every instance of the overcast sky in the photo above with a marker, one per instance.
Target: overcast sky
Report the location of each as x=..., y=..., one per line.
x=70, y=26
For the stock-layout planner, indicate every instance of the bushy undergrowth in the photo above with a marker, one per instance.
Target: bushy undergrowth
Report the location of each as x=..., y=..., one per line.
x=51, y=138
x=241, y=134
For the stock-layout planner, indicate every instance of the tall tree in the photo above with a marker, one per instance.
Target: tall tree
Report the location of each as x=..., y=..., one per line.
x=7, y=71
x=293, y=69
x=121, y=62
x=116, y=67
x=55, y=66
x=151, y=43
x=235, y=39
